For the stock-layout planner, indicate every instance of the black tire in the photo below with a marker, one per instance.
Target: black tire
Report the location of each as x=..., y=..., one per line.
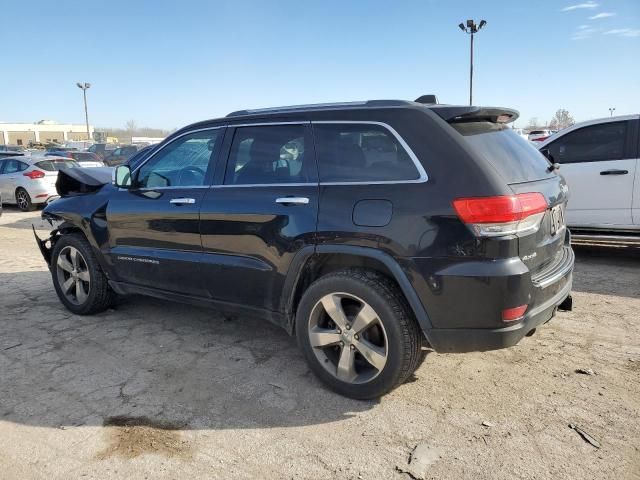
x=100, y=296
x=403, y=336
x=23, y=200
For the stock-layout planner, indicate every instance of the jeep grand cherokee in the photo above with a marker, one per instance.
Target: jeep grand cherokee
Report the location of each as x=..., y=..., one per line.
x=369, y=230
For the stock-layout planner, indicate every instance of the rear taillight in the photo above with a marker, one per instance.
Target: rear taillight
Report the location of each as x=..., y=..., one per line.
x=502, y=215
x=539, y=139
x=513, y=314
x=33, y=174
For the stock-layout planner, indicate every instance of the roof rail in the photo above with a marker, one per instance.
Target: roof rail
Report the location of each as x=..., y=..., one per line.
x=319, y=106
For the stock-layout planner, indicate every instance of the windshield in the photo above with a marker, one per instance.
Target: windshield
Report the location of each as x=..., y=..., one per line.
x=511, y=155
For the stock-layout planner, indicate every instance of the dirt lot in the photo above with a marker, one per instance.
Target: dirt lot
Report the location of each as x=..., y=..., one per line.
x=159, y=390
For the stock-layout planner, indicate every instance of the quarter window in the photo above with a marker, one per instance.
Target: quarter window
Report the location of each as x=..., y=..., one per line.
x=361, y=153
x=269, y=154
x=182, y=163
x=591, y=144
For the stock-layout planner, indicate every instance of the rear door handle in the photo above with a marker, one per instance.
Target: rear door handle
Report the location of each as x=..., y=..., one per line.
x=182, y=201
x=293, y=200
x=614, y=172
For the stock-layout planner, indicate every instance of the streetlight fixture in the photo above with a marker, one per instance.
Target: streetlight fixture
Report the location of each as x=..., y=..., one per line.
x=84, y=87
x=611, y=110
x=472, y=28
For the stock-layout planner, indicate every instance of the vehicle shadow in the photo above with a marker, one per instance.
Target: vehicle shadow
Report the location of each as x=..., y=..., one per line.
x=622, y=280
x=151, y=362
x=13, y=217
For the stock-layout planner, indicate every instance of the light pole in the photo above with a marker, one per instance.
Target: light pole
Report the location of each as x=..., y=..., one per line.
x=472, y=28
x=611, y=110
x=84, y=87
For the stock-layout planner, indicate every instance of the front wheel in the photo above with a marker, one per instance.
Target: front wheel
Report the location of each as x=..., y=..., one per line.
x=357, y=333
x=77, y=277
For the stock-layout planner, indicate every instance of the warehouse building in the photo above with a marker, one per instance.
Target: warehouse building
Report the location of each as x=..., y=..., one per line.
x=44, y=131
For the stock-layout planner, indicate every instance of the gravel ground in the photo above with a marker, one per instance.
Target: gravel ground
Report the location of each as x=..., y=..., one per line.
x=152, y=389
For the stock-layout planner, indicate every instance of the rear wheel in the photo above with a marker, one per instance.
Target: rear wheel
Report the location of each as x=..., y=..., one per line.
x=357, y=333
x=24, y=200
x=79, y=282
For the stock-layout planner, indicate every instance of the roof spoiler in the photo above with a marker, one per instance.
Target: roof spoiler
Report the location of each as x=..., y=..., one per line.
x=454, y=114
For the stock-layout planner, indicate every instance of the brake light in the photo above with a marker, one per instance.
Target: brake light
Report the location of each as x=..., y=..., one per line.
x=33, y=174
x=513, y=314
x=502, y=215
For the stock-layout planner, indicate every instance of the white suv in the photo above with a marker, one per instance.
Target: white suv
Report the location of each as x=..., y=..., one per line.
x=29, y=181
x=599, y=161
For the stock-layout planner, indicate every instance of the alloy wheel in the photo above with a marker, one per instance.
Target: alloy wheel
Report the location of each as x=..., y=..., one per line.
x=73, y=275
x=23, y=199
x=348, y=338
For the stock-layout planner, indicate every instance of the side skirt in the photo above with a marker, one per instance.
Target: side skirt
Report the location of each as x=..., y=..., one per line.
x=122, y=288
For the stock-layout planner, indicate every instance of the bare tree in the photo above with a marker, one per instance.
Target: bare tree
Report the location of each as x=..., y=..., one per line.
x=131, y=126
x=533, y=123
x=561, y=119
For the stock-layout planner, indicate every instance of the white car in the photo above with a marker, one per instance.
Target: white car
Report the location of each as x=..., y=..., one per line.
x=29, y=181
x=599, y=159
x=539, y=135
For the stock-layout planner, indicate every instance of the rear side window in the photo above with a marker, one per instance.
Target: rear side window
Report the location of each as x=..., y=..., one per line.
x=270, y=154
x=361, y=153
x=591, y=144
x=512, y=156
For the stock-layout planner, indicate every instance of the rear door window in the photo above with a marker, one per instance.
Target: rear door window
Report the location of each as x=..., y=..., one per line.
x=13, y=166
x=270, y=154
x=512, y=156
x=595, y=143
x=361, y=153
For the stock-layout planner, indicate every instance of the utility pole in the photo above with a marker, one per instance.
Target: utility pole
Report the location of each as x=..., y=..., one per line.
x=84, y=87
x=472, y=28
x=611, y=110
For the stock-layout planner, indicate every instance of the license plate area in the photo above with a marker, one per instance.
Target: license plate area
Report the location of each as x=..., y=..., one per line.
x=556, y=216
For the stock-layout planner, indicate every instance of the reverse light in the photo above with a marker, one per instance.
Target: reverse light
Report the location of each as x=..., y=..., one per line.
x=33, y=174
x=513, y=314
x=503, y=214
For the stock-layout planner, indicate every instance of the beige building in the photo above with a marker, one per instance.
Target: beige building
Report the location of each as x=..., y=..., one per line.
x=44, y=131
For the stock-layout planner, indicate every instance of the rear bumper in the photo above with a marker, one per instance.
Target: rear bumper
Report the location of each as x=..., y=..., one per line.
x=465, y=300
x=460, y=340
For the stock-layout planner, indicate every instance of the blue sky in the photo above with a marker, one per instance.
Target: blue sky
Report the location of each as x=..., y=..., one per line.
x=169, y=63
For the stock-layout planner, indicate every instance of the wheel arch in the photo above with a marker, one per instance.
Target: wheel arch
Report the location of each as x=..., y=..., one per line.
x=311, y=263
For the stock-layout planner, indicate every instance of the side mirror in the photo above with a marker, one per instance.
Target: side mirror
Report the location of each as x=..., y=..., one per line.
x=122, y=176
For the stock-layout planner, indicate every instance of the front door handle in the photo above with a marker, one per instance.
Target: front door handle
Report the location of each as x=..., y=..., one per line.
x=292, y=200
x=614, y=172
x=182, y=201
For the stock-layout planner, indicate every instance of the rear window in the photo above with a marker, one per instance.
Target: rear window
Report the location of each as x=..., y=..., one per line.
x=511, y=155
x=81, y=156
x=55, y=165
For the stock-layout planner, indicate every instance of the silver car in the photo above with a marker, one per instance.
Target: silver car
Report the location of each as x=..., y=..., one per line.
x=30, y=181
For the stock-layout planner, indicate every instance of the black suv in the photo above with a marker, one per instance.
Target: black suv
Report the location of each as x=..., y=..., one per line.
x=370, y=230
